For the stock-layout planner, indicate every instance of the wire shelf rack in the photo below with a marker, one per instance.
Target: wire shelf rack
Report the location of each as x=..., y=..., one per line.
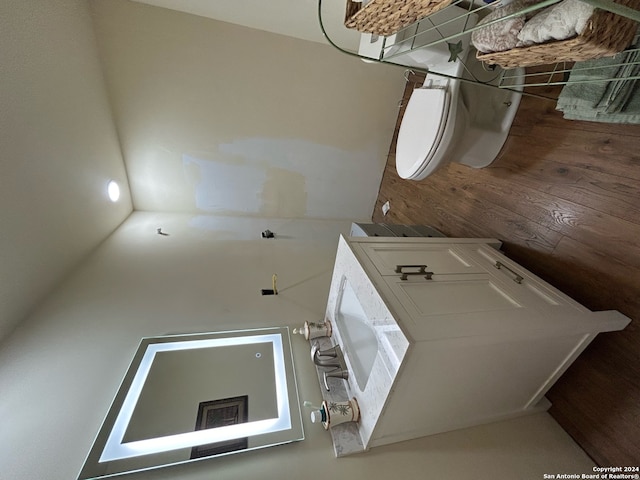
x=451, y=27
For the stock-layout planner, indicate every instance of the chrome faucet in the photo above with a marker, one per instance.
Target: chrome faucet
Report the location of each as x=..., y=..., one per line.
x=334, y=358
x=334, y=354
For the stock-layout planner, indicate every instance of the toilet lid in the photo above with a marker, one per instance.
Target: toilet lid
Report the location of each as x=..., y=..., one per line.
x=421, y=129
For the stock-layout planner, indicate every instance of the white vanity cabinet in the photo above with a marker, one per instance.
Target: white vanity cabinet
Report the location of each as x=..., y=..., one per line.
x=467, y=288
x=464, y=335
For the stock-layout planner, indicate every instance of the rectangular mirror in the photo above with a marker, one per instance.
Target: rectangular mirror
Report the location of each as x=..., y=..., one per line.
x=190, y=397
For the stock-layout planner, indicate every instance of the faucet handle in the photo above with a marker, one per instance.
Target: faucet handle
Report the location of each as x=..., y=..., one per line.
x=336, y=373
x=329, y=352
x=316, y=352
x=334, y=354
x=315, y=348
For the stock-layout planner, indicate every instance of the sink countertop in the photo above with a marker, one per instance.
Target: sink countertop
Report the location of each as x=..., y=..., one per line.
x=346, y=437
x=392, y=344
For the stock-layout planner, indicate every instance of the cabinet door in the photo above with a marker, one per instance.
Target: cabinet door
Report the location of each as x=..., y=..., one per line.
x=450, y=305
x=455, y=306
x=534, y=291
x=438, y=258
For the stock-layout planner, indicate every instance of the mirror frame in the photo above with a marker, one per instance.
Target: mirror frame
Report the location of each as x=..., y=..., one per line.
x=109, y=456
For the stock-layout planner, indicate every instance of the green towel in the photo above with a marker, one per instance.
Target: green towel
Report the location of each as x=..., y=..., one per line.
x=584, y=97
x=619, y=92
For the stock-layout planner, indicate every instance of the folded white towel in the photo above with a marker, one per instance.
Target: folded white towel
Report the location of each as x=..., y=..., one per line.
x=558, y=22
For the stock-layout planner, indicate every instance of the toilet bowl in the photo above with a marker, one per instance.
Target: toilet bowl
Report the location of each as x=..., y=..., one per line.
x=448, y=119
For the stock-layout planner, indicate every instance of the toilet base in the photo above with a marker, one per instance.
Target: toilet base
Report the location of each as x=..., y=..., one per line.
x=491, y=113
x=479, y=148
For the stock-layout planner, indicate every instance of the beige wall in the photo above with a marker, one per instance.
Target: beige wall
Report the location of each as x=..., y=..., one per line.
x=295, y=18
x=60, y=370
x=58, y=149
x=218, y=118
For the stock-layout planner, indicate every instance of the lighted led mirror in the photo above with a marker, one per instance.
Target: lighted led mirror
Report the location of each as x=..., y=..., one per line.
x=187, y=398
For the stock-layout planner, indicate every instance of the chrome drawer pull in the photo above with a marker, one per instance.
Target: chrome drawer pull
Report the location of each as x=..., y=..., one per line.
x=422, y=271
x=427, y=275
x=423, y=268
x=517, y=279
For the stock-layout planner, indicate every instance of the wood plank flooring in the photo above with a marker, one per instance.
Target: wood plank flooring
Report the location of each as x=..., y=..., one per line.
x=564, y=196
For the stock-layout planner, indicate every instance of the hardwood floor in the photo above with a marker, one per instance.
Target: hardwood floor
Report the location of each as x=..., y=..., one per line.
x=564, y=197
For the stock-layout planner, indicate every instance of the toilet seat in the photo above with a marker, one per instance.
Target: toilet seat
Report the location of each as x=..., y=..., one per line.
x=422, y=130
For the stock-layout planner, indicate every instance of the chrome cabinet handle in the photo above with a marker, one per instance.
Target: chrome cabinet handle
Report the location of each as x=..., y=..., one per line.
x=499, y=265
x=427, y=275
x=422, y=271
x=423, y=268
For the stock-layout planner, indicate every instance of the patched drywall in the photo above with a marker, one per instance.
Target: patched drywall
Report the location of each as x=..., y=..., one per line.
x=219, y=118
x=225, y=186
x=285, y=178
x=284, y=194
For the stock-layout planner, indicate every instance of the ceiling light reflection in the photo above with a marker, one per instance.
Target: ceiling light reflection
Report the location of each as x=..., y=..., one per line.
x=113, y=190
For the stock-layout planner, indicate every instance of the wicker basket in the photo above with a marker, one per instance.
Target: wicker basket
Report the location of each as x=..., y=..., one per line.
x=605, y=35
x=386, y=17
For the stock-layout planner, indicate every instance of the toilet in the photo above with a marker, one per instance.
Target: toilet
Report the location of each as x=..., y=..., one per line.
x=435, y=116
x=448, y=119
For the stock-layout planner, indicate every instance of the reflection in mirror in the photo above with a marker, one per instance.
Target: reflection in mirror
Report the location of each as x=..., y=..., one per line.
x=191, y=397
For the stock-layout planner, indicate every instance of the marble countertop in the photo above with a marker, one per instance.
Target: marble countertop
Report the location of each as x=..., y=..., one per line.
x=392, y=346
x=346, y=437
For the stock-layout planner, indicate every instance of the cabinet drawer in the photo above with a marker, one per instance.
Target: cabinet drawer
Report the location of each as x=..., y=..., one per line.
x=437, y=258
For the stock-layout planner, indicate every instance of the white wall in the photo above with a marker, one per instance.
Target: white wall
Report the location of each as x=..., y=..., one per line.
x=218, y=118
x=58, y=149
x=61, y=368
x=295, y=18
